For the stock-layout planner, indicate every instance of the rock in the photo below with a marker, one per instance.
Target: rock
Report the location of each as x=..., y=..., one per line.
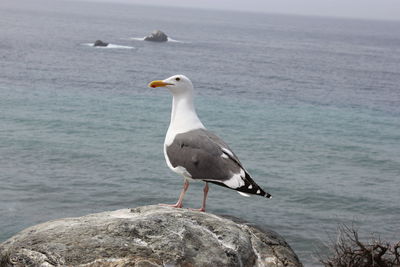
x=146, y=236
x=156, y=36
x=100, y=43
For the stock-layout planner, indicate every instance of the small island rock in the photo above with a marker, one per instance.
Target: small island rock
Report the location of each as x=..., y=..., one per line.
x=147, y=236
x=100, y=43
x=156, y=36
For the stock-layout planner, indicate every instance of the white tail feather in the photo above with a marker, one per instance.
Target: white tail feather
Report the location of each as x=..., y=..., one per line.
x=243, y=194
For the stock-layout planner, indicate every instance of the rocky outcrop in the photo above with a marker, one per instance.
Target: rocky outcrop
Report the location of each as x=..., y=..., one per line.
x=156, y=36
x=100, y=43
x=146, y=236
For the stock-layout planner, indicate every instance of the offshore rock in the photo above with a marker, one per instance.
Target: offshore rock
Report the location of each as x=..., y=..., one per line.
x=100, y=43
x=156, y=36
x=146, y=236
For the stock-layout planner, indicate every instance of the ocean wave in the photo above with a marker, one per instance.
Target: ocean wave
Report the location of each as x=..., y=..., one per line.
x=169, y=39
x=110, y=46
x=137, y=38
x=174, y=41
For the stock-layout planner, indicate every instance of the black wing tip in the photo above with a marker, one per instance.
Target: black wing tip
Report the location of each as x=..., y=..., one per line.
x=267, y=195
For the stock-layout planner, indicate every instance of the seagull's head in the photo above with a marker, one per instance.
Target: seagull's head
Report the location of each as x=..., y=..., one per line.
x=177, y=84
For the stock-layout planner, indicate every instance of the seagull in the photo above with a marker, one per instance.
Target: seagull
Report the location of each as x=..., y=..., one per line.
x=195, y=153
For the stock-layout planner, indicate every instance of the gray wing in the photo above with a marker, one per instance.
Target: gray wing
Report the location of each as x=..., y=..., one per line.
x=224, y=147
x=201, y=154
x=207, y=157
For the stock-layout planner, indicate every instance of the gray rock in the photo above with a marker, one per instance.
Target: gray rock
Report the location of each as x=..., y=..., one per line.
x=146, y=236
x=100, y=43
x=156, y=36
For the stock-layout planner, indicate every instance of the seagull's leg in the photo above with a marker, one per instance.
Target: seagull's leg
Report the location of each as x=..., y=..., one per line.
x=205, y=190
x=179, y=204
x=203, y=206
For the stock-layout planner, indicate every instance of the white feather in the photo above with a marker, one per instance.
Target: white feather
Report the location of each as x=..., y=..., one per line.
x=243, y=194
x=235, y=181
x=183, y=117
x=227, y=151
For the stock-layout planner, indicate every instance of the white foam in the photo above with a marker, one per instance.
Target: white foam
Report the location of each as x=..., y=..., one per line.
x=169, y=39
x=110, y=46
x=137, y=38
x=119, y=46
x=174, y=41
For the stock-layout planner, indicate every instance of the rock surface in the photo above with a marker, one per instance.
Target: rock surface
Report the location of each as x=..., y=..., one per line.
x=100, y=43
x=156, y=36
x=146, y=236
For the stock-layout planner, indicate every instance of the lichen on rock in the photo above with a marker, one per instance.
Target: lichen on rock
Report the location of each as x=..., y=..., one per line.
x=147, y=236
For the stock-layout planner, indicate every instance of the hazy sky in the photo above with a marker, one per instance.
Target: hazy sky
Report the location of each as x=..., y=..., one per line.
x=372, y=9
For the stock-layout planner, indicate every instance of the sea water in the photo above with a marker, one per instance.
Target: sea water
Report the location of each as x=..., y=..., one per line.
x=310, y=105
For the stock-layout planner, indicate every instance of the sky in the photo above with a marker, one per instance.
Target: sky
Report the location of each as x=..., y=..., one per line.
x=364, y=9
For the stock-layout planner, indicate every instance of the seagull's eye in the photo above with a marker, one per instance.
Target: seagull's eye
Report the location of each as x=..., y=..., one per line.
x=177, y=79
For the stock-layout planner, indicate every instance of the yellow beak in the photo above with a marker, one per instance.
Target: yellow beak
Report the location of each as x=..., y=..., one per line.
x=155, y=84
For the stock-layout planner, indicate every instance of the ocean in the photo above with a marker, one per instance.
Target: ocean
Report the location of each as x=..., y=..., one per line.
x=310, y=105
